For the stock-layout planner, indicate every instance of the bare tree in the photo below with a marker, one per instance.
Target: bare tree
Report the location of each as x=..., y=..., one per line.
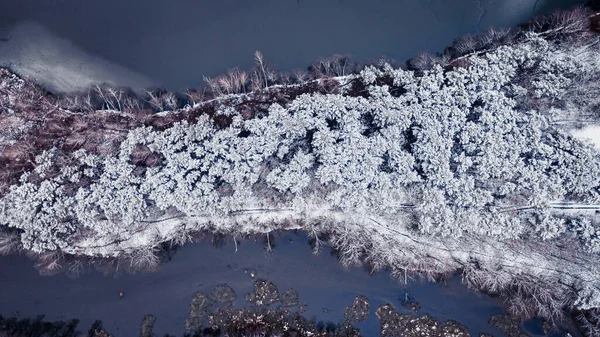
x=464, y=45
x=335, y=65
x=132, y=104
x=238, y=79
x=285, y=78
x=214, y=86
x=422, y=61
x=49, y=263
x=87, y=101
x=196, y=96
x=341, y=64
x=226, y=84
x=233, y=82
x=10, y=242
x=300, y=76
x=259, y=61
x=162, y=100
x=575, y=23
x=255, y=80
x=112, y=98
x=181, y=237
x=143, y=259
x=74, y=102
x=493, y=36
x=272, y=75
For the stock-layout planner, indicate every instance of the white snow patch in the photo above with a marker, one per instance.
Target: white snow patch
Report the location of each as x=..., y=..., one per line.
x=589, y=133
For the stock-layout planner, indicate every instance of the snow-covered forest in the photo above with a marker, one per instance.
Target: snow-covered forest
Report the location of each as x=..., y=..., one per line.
x=464, y=161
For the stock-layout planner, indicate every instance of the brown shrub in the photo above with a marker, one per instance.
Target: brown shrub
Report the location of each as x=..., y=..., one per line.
x=139, y=154
x=78, y=123
x=18, y=152
x=75, y=140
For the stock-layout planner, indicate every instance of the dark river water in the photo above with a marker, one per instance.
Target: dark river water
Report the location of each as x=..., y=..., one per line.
x=322, y=283
x=175, y=43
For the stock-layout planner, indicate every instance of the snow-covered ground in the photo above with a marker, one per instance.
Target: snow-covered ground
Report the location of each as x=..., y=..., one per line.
x=590, y=133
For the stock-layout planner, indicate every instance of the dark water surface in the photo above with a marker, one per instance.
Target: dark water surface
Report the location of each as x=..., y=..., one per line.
x=320, y=281
x=175, y=43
